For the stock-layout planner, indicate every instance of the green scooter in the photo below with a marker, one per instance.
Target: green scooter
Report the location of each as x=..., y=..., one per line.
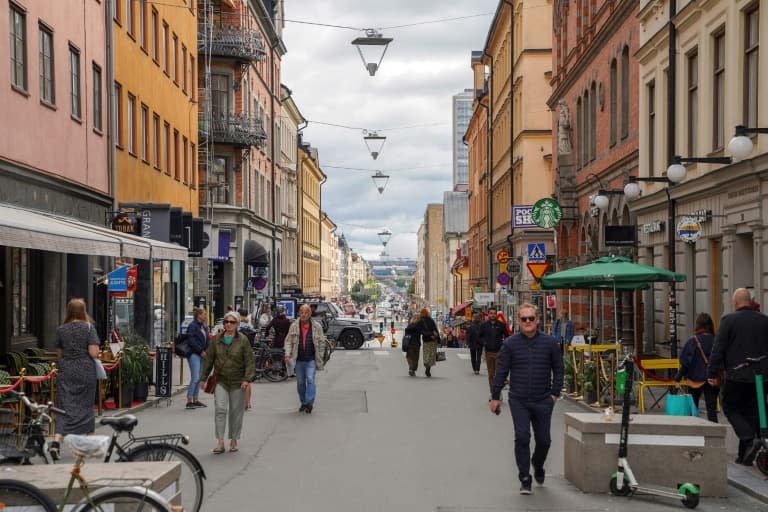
x=623, y=481
x=760, y=449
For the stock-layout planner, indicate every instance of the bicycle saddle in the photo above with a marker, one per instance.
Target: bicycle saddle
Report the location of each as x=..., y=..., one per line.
x=123, y=423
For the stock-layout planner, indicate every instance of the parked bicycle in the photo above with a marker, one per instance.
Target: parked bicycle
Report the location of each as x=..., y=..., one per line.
x=162, y=447
x=123, y=495
x=18, y=446
x=269, y=361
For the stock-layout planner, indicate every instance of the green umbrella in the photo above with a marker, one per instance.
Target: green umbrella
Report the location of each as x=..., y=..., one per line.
x=610, y=273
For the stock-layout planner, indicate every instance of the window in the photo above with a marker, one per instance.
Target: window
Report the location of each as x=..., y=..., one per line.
x=18, y=48
x=132, y=124
x=47, y=93
x=718, y=91
x=185, y=169
x=143, y=24
x=164, y=49
x=184, y=68
x=751, y=65
x=651, y=91
x=192, y=84
x=579, y=134
x=220, y=95
x=119, y=136
x=625, y=92
x=130, y=24
x=74, y=81
x=24, y=279
x=176, y=159
x=144, y=127
x=167, y=138
x=153, y=36
x=156, y=140
x=175, y=58
x=593, y=122
x=192, y=155
x=97, y=123
x=693, y=100
x=613, y=95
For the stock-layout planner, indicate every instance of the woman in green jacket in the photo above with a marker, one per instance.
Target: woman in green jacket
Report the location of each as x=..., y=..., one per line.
x=230, y=358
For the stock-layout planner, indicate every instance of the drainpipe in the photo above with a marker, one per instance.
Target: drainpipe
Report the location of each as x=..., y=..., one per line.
x=111, y=118
x=489, y=176
x=511, y=116
x=671, y=126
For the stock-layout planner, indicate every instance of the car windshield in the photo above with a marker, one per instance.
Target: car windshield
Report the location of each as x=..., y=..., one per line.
x=336, y=310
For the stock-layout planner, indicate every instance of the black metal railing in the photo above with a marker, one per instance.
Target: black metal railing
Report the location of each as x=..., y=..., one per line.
x=234, y=41
x=237, y=129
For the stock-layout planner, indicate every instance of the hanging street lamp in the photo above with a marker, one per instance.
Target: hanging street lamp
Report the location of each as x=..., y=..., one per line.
x=384, y=235
x=373, y=38
x=380, y=180
x=374, y=142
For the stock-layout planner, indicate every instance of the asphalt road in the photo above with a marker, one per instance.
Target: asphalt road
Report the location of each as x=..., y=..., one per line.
x=379, y=440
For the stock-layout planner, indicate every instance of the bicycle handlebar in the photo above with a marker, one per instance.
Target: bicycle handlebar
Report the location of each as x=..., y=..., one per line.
x=35, y=407
x=749, y=361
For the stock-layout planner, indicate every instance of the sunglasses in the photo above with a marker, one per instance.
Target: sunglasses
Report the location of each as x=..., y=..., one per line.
x=527, y=318
x=230, y=322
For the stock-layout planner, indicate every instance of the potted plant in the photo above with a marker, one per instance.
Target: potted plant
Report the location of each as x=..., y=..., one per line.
x=569, y=374
x=589, y=376
x=136, y=367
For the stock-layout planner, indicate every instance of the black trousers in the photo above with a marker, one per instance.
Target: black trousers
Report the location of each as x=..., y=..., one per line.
x=740, y=407
x=710, y=399
x=527, y=415
x=475, y=355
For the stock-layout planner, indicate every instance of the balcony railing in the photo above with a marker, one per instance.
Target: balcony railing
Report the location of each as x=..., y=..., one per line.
x=236, y=129
x=235, y=42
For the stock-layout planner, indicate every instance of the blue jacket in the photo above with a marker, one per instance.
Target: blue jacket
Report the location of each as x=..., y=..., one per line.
x=568, y=331
x=692, y=365
x=534, y=366
x=198, y=336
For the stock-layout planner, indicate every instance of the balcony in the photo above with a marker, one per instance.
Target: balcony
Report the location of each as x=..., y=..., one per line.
x=239, y=130
x=235, y=42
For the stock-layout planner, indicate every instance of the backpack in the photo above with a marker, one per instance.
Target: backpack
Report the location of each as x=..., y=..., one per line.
x=181, y=345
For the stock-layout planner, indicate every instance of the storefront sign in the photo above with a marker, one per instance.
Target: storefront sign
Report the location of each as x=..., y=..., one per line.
x=521, y=216
x=689, y=230
x=484, y=297
x=546, y=213
x=163, y=372
x=652, y=227
x=127, y=223
x=117, y=280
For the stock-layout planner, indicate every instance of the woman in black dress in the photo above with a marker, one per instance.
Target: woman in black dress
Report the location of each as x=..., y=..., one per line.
x=77, y=344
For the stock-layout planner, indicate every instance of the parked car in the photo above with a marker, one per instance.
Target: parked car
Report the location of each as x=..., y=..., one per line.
x=344, y=331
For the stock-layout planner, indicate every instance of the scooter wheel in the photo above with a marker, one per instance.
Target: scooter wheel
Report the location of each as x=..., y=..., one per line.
x=625, y=490
x=691, y=500
x=761, y=461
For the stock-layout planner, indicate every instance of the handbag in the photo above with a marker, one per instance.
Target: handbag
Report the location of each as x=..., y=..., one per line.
x=680, y=405
x=181, y=346
x=101, y=373
x=210, y=384
x=406, y=342
x=440, y=355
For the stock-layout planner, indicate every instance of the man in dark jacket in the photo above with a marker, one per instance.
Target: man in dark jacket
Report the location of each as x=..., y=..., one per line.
x=742, y=334
x=280, y=323
x=474, y=342
x=534, y=364
x=492, y=334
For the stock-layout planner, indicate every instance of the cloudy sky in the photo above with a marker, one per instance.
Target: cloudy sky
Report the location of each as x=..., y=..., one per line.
x=424, y=66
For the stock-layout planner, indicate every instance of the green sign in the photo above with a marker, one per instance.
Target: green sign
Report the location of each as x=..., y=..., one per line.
x=546, y=213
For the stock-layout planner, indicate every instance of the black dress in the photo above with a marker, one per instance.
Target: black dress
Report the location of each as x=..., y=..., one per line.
x=76, y=378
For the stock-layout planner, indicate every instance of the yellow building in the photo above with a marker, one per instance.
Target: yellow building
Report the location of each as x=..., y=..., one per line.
x=155, y=86
x=311, y=178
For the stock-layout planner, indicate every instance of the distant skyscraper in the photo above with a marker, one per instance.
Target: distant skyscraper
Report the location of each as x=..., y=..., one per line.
x=462, y=112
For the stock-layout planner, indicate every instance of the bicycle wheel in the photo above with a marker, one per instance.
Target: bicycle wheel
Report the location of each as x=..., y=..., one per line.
x=125, y=499
x=192, y=475
x=23, y=497
x=275, y=370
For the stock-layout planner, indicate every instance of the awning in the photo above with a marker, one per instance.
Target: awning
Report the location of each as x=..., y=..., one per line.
x=30, y=229
x=255, y=254
x=460, y=308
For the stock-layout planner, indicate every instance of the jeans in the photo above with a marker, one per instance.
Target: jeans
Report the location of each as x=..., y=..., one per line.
x=305, y=381
x=195, y=362
x=525, y=415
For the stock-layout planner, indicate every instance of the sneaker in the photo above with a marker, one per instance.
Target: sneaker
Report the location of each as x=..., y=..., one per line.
x=302, y=408
x=191, y=405
x=411, y=373
x=751, y=452
x=198, y=403
x=428, y=373
x=538, y=475
x=308, y=408
x=525, y=486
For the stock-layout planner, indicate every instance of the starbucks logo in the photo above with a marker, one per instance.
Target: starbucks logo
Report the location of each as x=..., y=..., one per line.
x=546, y=213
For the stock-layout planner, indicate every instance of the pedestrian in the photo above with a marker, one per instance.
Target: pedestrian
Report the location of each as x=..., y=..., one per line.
x=304, y=346
x=693, y=365
x=77, y=345
x=450, y=340
x=413, y=329
x=742, y=334
x=475, y=342
x=563, y=329
x=231, y=359
x=534, y=365
x=281, y=323
x=430, y=337
x=197, y=338
x=492, y=334
x=264, y=318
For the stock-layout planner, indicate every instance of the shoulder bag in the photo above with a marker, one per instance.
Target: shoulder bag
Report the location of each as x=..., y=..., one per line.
x=210, y=384
x=181, y=346
x=692, y=383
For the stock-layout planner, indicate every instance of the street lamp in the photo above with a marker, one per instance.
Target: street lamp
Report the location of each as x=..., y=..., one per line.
x=380, y=180
x=675, y=174
x=384, y=235
x=374, y=142
x=372, y=38
x=740, y=146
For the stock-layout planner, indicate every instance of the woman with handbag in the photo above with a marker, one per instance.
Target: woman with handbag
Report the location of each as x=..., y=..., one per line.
x=413, y=331
x=230, y=358
x=694, y=359
x=430, y=336
x=197, y=340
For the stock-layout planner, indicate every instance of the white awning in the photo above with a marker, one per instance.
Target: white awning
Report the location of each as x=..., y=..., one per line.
x=20, y=227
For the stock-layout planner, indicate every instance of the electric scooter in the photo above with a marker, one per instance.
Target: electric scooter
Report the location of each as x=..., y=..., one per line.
x=623, y=481
x=761, y=447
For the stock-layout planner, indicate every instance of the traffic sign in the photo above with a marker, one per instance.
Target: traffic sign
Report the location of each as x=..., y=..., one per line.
x=537, y=252
x=538, y=270
x=503, y=278
x=502, y=257
x=513, y=266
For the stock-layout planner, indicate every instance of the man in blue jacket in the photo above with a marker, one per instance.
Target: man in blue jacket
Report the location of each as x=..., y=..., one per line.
x=534, y=364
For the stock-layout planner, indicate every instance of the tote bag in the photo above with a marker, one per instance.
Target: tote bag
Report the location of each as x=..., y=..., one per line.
x=680, y=405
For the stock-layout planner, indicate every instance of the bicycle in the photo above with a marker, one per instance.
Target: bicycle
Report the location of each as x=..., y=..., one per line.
x=163, y=447
x=134, y=496
x=33, y=433
x=269, y=362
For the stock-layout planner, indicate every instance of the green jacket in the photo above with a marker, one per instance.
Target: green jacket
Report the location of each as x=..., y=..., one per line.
x=231, y=364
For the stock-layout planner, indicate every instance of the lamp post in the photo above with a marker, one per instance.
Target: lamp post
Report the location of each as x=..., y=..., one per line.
x=675, y=174
x=740, y=146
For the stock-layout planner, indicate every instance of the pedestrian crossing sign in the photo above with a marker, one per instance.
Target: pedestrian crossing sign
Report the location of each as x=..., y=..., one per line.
x=537, y=252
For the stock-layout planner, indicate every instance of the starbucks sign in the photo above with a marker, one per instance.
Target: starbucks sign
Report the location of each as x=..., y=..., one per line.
x=546, y=213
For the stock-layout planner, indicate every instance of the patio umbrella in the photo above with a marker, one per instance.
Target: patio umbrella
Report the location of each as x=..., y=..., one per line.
x=610, y=273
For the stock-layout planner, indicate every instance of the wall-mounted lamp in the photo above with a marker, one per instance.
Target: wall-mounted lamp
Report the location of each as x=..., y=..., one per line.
x=740, y=146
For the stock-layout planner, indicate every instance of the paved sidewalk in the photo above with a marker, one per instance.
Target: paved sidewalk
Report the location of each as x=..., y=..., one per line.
x=747, y=479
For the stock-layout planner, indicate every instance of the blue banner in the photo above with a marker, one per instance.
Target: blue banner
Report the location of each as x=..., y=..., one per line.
x=117, y=280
